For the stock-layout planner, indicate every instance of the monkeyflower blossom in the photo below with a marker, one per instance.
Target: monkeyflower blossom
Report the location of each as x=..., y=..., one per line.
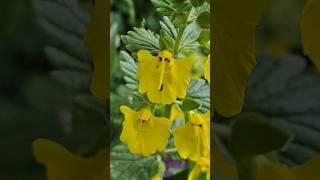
x=162, y=77
x=144, y=133
x=200, y=169
x=207, y=69
x=192, y=139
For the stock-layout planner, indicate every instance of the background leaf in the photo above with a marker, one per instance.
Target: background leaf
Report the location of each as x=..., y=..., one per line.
x=199, y=91
x=125, y=165
x=141, y=39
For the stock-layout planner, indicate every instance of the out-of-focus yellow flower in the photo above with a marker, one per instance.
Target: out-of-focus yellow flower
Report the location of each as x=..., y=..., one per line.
x=267, y=170
x=192, y=139
x=157, y=177
x=162, y=77
x=310, y=27
x=144, y=133
x=63, y=165
x=231, y=71
x=201, y=167
x=207, y=69
x=96, y=40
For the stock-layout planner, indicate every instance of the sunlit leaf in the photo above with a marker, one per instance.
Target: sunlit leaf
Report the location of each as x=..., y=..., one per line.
x=141, y=39
x=199, y=91
x=125, y=165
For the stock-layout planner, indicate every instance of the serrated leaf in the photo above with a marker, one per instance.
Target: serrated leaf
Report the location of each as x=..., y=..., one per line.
x=203, y=20
x=199, y=91
x=168, y=27
x=74, y=79
x=129, y=67
x=62, y=60
x=124, y=165
x=64, y=19
x=249, y=135
x=197, y=3
x=189, y=39
x=287, y=92
x=141, y=39
x=190, y=104
x=163, y=7
x=166, y=41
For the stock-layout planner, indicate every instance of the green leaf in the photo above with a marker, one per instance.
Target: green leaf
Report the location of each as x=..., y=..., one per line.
x=197, y=3
x=204, y=38
x=189, y=39
x=199, y=91
x=166, y=41
x=179, y=19
x=158, y=168
x=168, y=27
x=141, y=39
x=190, y=104
x=287, y=92
x=168, y=34
x=163, y=7
x=203, y=20
x=125, y=165
x=181, y=5
x=74, y=79
x=129, y=67
x=63, y=60
x=252, y=135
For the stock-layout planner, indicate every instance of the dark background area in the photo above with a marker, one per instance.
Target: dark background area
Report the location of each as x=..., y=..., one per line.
x=32, y=103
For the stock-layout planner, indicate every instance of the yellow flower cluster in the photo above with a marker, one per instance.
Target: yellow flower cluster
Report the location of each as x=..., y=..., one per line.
x=164, y=79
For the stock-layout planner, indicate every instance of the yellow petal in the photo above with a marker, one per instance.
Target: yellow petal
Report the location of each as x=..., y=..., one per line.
x=309, y=170
x=222, y=166
x=310, y=28
x=182, y=76
x=163, y=78
x=96, y=39
x=63, y=165
x=234, y=51
x=267, y=170
x=144, y=133
x=176, y=112
x=192, y=139
x=207, y=69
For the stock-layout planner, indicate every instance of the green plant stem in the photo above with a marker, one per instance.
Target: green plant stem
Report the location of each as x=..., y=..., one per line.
x=170, y=150
x=178, y=40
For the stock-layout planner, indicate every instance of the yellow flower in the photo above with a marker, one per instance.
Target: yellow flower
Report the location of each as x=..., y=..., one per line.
x=144, y=133
x=267, y=170
x=96, y=41
x=202, y=166
x=157, y=177
x=176, y=112
x=162, y=77
x=207, y=69
x=192, y=139
x=63, y=165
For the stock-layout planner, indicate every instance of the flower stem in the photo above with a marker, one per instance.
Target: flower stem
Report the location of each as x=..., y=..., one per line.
x=170, y=150
x=178, y=40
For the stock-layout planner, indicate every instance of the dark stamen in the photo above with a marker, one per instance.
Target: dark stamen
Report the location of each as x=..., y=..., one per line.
x=161, y=88
x=160, y=58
